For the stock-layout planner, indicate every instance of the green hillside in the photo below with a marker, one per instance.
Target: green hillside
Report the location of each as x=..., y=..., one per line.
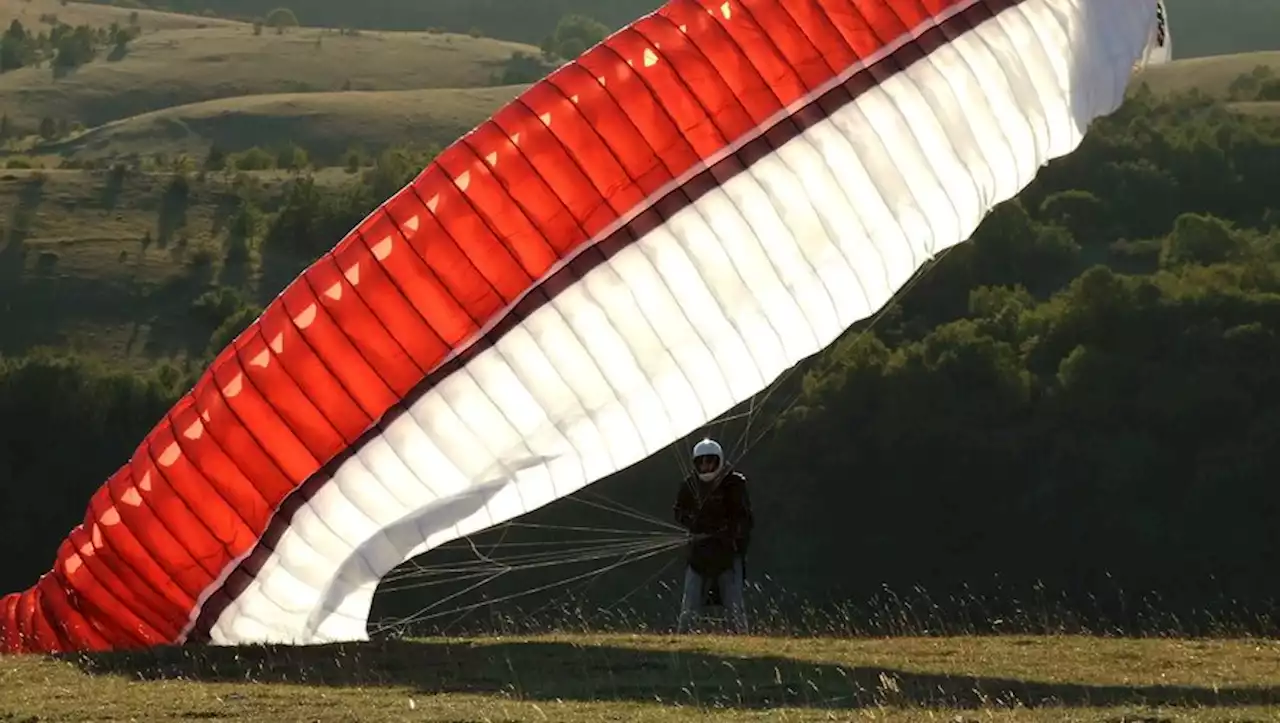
x=1214, y=75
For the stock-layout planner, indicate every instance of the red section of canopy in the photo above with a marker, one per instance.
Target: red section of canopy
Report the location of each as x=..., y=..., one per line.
x=574, y=156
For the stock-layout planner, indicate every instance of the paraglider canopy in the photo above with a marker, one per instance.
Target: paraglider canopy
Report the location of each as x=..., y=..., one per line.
x=634, y=245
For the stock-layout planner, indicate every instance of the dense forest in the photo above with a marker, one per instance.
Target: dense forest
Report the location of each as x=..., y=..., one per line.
x=1083, y=399
x=1209, y=27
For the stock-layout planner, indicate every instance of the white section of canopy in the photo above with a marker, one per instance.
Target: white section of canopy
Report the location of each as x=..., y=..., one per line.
x=704, y=311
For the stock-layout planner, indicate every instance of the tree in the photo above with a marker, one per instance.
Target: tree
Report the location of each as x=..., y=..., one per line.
x=1198, y=239
x=17, y=48
x=522, y=68
x=1080, y=212
x=74, y=48
x=573, y=35
x=292, y=158
x=216, y=159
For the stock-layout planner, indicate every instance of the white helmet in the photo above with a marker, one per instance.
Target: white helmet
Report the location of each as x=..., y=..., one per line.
x=708, y=459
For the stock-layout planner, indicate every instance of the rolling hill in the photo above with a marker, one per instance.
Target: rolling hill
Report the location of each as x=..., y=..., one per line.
x=1201, y=27
x=168, y=68
x=1212, y=75
x=326, y=124
x=29, y=12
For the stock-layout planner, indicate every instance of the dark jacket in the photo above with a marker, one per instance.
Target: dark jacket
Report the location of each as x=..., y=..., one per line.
x=718, y=513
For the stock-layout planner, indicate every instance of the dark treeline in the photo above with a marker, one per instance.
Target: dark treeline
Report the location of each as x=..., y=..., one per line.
x=1084, y=396
x=62, y=45
x=1083, y=399
x=1200, y=27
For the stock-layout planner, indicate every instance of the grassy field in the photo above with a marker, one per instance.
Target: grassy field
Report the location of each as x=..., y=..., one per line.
x=574, y=678
x=108, y=263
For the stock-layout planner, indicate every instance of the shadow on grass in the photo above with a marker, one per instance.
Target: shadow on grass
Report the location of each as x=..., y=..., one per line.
x=114, y=187
x=550, y=670
x=172, y=330
x=38, y=310
x=15, y=230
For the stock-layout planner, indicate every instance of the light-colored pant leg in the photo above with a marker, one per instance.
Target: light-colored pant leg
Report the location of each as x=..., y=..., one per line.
x=691, y=601
x=731, y=593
